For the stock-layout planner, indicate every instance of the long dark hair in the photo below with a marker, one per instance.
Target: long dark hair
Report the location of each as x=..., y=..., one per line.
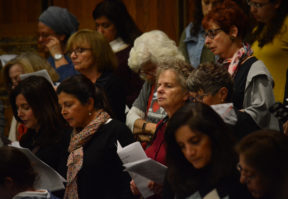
x=182, y=176
x=14, y=164
x=265, y=33
x=82, y=88
x=117, y=13
x=43, y=100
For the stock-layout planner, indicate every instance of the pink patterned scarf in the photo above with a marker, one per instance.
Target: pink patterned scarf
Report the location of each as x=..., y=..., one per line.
x=75, y=159
x=233, y=63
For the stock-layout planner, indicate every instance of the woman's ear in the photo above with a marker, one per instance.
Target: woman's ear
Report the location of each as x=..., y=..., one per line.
x=223, y=93
x=233, y=32
x=90, y=104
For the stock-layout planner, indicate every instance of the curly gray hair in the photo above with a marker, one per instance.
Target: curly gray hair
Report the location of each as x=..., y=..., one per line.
x=154, y=47
x=181, y=68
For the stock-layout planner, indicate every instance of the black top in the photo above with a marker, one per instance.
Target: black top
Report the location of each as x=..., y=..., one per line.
x=240, y=82
x=101, y=175
x=115, y=92
x=55, y=154
x=244, y=125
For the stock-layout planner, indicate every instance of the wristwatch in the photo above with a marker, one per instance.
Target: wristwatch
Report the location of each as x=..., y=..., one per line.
x=57, y=56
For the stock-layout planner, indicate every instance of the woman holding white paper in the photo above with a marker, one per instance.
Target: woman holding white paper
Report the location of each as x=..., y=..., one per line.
x=94, y=168
x=35, y=105
x=200, y=156
x=172, y=93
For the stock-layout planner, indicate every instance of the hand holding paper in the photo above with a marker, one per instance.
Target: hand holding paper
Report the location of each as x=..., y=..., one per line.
x=141, y=168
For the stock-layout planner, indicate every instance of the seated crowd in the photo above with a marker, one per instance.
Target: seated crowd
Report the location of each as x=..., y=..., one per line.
x=93, y=101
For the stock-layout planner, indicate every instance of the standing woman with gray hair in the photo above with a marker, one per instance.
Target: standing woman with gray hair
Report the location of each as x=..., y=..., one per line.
x=150, y=49
x=55, y=26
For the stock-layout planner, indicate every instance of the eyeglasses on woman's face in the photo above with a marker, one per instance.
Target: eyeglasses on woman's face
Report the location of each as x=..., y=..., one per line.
x=211, y=33
x=78, y=51
x=257, y=4
x=197, y=98
x=248, y=175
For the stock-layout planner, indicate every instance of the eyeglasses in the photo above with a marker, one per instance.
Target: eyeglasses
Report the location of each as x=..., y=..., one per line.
x=78, y=50
x=257, y=5
x=150, y=72
x=197, y=98
x=248, y=175
x=211, y=33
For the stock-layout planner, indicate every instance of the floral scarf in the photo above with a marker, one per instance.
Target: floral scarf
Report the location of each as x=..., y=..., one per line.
x=233, y=63
x=75, y=159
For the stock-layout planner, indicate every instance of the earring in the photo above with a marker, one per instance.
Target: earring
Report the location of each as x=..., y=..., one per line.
x=232, y=38
x=89, y=113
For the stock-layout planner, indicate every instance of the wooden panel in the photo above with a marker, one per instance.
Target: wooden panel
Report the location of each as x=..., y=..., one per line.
x=19, y=18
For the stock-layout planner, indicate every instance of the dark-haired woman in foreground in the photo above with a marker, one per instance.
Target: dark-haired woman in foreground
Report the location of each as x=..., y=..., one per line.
x=94, y=168
x=200, y=156
x=35, y=104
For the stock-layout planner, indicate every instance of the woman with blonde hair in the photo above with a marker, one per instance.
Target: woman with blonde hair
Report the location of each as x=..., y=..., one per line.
x=26, y=62
x=93, y=57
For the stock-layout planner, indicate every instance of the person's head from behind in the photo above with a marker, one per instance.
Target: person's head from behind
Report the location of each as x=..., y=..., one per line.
x=90, y=51
x=263, y=163
x=149, y=50
x=196, y=139
x=35, y=104
x=26, y=62
x=172, y=90
x=57, y=22
x=226, y=28
x=16, y=172
x=80, y=100
x=211, y=84
x=113, y=20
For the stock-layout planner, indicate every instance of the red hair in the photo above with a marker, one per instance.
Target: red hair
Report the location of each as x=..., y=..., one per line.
x=226, y=15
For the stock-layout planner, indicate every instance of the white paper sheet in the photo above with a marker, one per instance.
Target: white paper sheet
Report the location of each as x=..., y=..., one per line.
x=47, y=178
x=132, y=153
x=148, y=168
x=42, y=73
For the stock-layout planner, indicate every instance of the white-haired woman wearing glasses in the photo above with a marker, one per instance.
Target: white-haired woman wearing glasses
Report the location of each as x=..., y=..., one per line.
x=150, y=49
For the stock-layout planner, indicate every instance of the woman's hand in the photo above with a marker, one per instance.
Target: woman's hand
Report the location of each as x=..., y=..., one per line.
x=54, y=45
x=133, y=188
x=156, y=188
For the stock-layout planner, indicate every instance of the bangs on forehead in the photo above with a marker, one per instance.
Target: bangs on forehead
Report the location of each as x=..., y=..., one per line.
x=80, y=41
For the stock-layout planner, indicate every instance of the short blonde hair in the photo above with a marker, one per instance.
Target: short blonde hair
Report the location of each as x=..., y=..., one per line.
x=154, y=47
x=103, y=55
x=30, y=62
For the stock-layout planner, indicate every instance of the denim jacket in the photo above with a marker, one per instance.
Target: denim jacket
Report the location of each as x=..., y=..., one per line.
x=192, y=46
